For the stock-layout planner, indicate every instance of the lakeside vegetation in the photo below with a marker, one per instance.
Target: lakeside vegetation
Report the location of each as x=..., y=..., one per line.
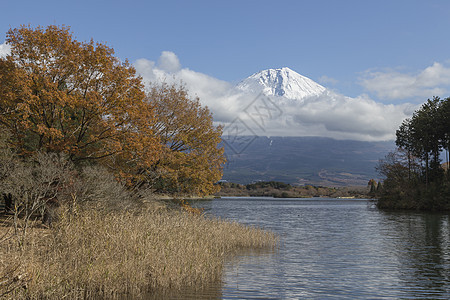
x=414, y=175
x=107, y=253
x=283, y=190
x=85, y=152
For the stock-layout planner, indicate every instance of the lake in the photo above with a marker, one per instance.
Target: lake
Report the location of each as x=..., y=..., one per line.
x=335, y=249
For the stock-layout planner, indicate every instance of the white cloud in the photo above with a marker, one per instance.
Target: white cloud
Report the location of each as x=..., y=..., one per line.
x=5, y=49
x=324, y=79
x=341, y=117
x=217, y=94
x=328, y=115
x=432, y=81
x=169, y=62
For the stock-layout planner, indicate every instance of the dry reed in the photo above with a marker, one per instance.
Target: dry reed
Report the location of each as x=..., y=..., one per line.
x=112, y=254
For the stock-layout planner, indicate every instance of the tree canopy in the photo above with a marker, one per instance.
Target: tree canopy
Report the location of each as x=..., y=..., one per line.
x=61, y=95
x=414, y=175
x=191, y=159
x=58, y=94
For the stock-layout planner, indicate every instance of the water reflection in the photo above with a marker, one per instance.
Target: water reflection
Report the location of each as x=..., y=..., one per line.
x=421, y=245
x=338, y=249
x=209, y=292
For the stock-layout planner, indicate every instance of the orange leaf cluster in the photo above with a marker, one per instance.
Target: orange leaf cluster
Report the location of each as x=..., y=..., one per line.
x=191, y=159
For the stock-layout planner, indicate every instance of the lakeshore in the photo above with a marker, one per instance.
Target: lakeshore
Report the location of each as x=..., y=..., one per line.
x=282, y=190
x=121, y=253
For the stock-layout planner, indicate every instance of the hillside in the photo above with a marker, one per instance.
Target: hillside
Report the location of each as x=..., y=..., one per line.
x=305, y=160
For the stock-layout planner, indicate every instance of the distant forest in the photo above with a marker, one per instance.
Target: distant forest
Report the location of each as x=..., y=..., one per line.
x=278, y=189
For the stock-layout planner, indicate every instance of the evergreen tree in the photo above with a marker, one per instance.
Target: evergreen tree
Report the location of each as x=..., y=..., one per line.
x=420, y=141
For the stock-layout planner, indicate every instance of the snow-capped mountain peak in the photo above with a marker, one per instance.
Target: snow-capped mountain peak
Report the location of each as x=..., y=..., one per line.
x=281, y=82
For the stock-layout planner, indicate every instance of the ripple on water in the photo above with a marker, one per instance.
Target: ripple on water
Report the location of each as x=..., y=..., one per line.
x=340, y=249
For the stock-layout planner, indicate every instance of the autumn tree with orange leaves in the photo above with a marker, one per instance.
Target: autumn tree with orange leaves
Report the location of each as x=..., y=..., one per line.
x=61, y=95
x=191, y=160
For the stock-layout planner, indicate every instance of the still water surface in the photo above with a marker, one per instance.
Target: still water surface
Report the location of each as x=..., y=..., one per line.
x=335, y=249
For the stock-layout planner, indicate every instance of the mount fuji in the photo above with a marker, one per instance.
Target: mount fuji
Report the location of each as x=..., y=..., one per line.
x=302, y=159
x=282, y=82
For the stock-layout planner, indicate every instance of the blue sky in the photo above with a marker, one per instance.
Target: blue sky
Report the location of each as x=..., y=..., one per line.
x=391, y=52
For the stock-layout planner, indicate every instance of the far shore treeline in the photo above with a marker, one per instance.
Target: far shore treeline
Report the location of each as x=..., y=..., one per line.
x=415, y=176
x=284, y=190
x=59, y=95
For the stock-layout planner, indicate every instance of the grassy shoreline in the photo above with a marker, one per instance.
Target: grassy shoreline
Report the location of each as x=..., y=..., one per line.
x=121, y=253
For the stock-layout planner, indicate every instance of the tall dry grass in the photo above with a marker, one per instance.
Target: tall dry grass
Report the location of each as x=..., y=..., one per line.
x=100, y=252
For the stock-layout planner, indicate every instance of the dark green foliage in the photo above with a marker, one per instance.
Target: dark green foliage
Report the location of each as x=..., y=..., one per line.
x=379, y=187
x=372, y=183
x=284, y=195
x=414, y=175
x=263, y=184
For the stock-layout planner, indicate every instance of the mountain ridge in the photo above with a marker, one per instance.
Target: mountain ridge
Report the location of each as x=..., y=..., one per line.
x=306, y=160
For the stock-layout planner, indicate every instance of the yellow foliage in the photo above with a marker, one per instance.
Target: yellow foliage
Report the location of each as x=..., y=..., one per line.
x=191, y=159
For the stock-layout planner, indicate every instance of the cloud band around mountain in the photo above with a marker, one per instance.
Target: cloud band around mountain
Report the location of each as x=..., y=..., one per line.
x=328, y=114
x=393, y=85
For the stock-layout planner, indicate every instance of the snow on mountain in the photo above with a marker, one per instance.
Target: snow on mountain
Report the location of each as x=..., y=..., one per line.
x=281, y=82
